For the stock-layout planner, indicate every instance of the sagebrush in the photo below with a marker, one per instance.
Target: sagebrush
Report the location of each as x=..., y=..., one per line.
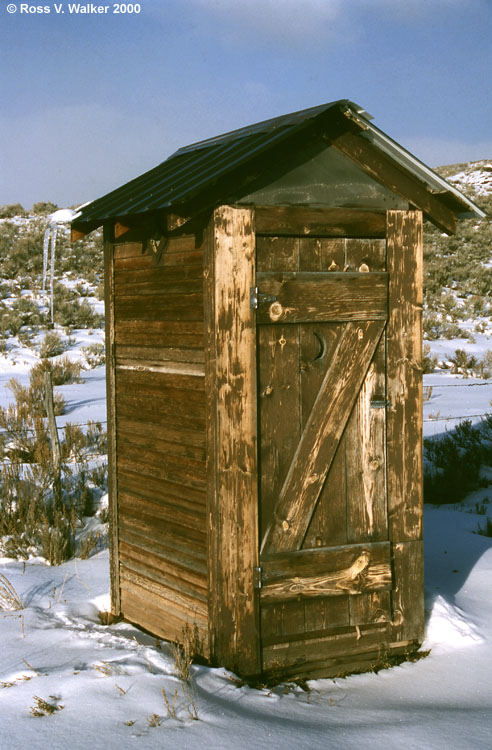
x=33, y=518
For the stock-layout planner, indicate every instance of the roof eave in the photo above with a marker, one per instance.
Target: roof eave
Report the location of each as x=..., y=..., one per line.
x=436, y=185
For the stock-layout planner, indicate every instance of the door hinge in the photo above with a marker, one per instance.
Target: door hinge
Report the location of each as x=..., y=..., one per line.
x=256, y=298
x=257, y=578
x=380, y=403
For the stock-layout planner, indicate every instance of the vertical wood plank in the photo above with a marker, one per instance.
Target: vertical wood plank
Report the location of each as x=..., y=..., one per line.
x=328, y=525
x=365, y=255
x=408, y=595
x=404, y=375
x=278, y=400
x=370, y=608
x=321, y=254
x=277, y=253
x=366, y=458
x=232, y=503
x=114, y=558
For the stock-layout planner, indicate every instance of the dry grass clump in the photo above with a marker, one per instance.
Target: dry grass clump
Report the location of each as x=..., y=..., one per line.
x=9, y=598
x=42, y=707
x=183, y=655
x=486, y=529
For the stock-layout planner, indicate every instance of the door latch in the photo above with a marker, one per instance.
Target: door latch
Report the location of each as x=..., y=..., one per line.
x=256, y=298
x=380, y=403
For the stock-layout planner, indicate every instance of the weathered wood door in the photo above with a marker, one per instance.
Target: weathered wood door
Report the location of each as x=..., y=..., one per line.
x=314, y=444
x=328, y=355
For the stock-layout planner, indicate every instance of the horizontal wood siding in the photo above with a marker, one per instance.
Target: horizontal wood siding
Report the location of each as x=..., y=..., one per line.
x=160, y=436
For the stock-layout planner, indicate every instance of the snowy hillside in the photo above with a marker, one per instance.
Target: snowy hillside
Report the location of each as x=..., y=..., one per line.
x=458, y=308
x=68, y=677
x=473, y=178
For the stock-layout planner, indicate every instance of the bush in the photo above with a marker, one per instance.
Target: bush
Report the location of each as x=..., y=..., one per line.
x=34, y=519
x=94, y=355
x=484, y=369
x=453, y=461
x=12, y=209
x=463, y=362
x=52, y=345
x=429, y=360
x=436, y=328
x=63, y=372
x=44, y=208
x=74, y=314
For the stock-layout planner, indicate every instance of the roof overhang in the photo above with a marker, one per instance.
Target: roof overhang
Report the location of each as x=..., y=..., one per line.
x=218, y=170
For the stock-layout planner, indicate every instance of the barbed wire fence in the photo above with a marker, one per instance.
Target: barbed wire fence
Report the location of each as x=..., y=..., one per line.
x=427, y=392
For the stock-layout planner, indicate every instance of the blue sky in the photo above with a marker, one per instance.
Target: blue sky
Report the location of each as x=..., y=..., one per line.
x=92, y=100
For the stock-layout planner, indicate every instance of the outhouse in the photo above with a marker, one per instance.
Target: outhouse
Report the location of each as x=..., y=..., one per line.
x=263, y=315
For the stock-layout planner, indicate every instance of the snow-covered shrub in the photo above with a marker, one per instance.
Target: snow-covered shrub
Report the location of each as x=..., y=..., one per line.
x=94, y=355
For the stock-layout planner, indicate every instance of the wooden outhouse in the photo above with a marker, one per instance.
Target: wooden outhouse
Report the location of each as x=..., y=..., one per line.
x=263, y=313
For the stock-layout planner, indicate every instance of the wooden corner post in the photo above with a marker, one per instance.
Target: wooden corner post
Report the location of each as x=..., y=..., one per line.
x=114, y=560
x=404, y=425
x=232, y=503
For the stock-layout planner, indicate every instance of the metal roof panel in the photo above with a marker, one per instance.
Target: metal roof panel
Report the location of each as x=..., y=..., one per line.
x=194, y=169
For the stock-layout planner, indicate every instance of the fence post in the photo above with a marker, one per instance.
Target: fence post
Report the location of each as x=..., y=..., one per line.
x=55, y=442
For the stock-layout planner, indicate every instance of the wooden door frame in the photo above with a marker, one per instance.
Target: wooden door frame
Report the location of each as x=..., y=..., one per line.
x=232, y=462
x=404, y=245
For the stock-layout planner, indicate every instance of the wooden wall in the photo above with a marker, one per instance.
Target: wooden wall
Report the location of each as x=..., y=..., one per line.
x=157, y=432
x=197, y=445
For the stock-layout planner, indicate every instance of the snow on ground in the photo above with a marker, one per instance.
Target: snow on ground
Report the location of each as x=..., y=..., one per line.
x=105, y=682
x=109, y=679
x=450, y=398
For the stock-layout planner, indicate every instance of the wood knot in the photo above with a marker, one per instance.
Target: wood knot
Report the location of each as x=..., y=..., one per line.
x=275, y=311
x=363, y=268
x=374, y=464
x=398, y=617
x=285, y=525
